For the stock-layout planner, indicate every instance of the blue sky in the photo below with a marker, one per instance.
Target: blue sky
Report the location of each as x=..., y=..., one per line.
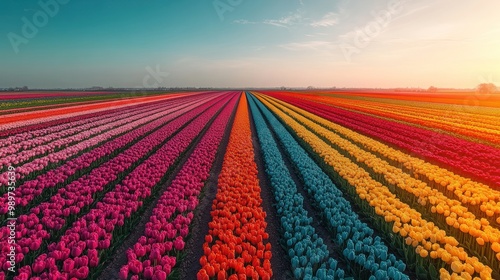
x=247, y=43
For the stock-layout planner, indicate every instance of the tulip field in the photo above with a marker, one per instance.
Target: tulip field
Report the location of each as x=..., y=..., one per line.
x=249, y=185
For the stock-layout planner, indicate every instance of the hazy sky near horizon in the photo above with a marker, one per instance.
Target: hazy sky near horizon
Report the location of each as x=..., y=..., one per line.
x=249, y=43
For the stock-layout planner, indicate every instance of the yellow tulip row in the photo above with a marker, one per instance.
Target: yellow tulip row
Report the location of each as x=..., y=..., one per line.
x=483, y=201
x=407, y=222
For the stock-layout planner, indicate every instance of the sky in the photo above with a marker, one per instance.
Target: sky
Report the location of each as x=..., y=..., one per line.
x=249, y=43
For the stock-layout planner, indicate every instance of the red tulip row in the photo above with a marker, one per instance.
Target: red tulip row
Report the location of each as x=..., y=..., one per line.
x=40, y=163
x=82, y=246
x=154, y=255
x=29, y=190
x=236, y=245
x=472, y=159
x=50, y=217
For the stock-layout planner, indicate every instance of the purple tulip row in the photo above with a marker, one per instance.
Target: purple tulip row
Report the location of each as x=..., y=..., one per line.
x=154, y=255
x=51, y=216
x=42, y=162
x=28, y=190
x=81, y=247
x=28, y=140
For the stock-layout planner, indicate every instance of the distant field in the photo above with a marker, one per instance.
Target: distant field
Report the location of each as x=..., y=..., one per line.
x=250, y=185
x=26, y=101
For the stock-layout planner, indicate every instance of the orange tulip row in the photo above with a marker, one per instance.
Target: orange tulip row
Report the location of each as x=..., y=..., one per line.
x=236, y=245
x=398, y=216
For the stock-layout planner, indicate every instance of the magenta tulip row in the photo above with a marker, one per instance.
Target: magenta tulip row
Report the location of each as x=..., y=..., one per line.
x=80, y=248
x=154, y=255
x=464, y=157
x=42, y=162
x=51, y=216
x=28, y=190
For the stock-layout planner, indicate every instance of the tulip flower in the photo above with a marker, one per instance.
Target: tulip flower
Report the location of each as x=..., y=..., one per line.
x=68, y=265
x=179, y=243
x=124, y=272
x=148, y=272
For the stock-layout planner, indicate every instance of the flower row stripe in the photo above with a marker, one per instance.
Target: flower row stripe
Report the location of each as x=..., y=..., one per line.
x=237, y=244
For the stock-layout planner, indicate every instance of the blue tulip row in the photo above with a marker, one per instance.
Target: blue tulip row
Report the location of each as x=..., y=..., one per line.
x=355, y=237
x=308, y=254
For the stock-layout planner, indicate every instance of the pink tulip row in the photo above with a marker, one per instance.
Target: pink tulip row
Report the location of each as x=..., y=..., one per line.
x=80, y=248
x=151, y=257
x=60, y=141
x=12, y=125
x=28, y=190
x=80, y=194
x=464, y=157
x=25, y=141
x=42, y=162
x=40, y=129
